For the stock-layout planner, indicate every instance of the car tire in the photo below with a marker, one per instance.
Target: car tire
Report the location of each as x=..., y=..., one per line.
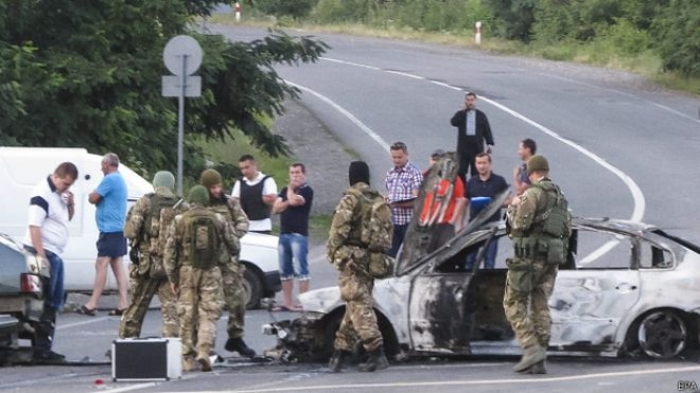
x=662, y=334
x=253, y=288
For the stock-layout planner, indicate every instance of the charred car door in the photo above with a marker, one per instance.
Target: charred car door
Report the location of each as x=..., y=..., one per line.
x=441, y=309
x=589, y=302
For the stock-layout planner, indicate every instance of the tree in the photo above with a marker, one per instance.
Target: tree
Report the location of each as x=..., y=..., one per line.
x=89, y=74
x=678, y=29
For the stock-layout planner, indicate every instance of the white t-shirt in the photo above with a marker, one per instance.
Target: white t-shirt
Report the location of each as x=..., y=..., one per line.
x=48, y=211
x=269, y=188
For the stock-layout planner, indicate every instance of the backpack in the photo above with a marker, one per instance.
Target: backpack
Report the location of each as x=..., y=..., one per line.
x=159, y=218
x=376, y=231
x=204, y=239
x=555, y=223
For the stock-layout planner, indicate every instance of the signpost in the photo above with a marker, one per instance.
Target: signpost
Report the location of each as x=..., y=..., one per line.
x=182, y=56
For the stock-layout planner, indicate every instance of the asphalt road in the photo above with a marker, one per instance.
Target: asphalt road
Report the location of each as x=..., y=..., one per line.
x=617, y=146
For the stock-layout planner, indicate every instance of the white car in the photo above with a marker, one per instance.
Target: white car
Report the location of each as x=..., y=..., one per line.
x=627, y=288
x=21, y=168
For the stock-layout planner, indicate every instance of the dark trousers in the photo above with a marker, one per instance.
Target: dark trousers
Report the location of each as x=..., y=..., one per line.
x=467, y=155
x=397, y=239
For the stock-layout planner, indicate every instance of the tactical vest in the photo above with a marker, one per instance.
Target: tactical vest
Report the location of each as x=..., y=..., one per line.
x=202, y=238
x=550, y=230
x=251, y=200
x=372, y=226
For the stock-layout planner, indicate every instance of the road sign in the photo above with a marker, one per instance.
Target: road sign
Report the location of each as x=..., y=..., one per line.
x=179, y=47
x=172, y=86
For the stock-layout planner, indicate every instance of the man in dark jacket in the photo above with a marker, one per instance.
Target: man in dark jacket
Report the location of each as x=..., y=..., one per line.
x=472, y=130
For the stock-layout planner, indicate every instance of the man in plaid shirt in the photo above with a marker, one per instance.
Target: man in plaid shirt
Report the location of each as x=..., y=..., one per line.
x=403, y=182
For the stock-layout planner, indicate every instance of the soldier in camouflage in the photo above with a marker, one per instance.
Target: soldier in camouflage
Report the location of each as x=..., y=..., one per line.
x=539, y=226
x=193, y=255
x=144, y=279
x=350, y=254
x=232, y=272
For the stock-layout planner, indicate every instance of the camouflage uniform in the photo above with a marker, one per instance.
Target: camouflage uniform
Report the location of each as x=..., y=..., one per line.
x=200, y=294
x=232, y=272
x=346, y=252
x=531, y=275
x=143, y=285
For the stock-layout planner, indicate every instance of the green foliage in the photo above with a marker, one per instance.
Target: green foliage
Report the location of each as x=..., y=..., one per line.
x=514, y=18
x=88, y=74
x=678, y=29
x=296, y=9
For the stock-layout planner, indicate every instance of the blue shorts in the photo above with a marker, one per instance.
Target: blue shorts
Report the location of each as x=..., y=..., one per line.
x=293, y=249
x=112, y=245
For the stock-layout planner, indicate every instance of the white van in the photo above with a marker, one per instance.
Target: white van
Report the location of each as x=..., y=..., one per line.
x=21, y=168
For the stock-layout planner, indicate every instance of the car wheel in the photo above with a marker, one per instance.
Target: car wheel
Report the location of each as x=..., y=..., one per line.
x=253, y=289
x=662, y=334
x=330, y=326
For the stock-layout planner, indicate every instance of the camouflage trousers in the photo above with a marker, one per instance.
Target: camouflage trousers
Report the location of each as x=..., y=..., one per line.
x=359, y=319
x=528, y=311
x=143, y=287
x=199, y=307
x=234, y=295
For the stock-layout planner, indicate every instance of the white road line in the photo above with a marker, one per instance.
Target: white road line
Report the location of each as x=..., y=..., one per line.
x=87, y=322
x=637, y=195
x=345, y=113
x=490, y=382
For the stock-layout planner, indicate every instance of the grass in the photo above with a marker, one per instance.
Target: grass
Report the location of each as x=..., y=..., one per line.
x=599, y=54
x=234, y=147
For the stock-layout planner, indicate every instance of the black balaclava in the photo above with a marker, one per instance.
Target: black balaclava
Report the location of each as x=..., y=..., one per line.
x=359, y=171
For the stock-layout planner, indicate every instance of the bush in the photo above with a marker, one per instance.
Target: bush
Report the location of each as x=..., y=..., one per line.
x=678, y=30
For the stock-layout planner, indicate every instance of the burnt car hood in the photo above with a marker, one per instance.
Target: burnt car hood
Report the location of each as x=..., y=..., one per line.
x=416, y=252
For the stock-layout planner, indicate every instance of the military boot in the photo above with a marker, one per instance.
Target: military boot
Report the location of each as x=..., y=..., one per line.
x=534, y=354
x=537, y=368
x=204, y=361
x=338, y=360
x=238, y=345
x=188, y=364
x=377, y=361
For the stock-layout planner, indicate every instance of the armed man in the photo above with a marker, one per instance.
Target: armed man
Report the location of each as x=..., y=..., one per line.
x=360, y=235
x=146, y=228
x=193, y=256
x=539, y=226
x=232, y=272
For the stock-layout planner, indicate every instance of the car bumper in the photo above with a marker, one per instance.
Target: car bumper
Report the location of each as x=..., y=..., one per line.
x=272, y=282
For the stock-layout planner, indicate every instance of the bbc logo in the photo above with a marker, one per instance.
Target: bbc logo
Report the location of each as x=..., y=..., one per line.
x=685, y=386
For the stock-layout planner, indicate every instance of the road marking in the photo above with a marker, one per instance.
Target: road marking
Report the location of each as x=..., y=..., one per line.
x=345, y=113
x=499, y=381
x=637, y=195
x=91, y=320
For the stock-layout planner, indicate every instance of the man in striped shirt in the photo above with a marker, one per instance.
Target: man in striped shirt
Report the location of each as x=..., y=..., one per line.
x=51, y=207
x=402, y=182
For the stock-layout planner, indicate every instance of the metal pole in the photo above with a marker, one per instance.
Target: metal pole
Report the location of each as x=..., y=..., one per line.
x=181, y=124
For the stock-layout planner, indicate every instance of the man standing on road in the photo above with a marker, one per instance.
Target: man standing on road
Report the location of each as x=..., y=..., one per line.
x=110, y=198
x=351, y=242
x=485, y=184
x=294, y=206
x=526, y=149
x=147, y=228
x=256, y=193
x=540, y=227
x=193, y=256
x=51, y=207
x=472, y=130
x=403, y=182
x=232, y=271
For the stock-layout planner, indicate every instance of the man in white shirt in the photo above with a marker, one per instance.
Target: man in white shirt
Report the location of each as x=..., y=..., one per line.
x=256, y=193
x=51, y=207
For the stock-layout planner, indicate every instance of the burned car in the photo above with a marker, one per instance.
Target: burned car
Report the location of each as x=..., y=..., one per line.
x=627, y=289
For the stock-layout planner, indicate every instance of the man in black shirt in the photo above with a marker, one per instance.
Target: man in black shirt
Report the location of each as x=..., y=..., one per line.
x=294, y=206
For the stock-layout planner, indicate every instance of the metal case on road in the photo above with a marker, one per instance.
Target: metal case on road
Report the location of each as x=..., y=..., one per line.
x=148, y=359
